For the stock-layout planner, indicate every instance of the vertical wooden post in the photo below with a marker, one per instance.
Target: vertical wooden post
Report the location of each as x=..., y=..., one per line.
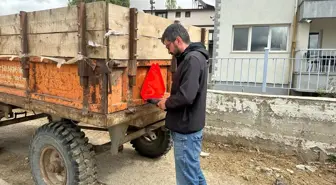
x=203, y=35
x=132, y=65
x=83, y=67
x=24, y=60
x=173, y=65
x=106, y=85
x=24, y=44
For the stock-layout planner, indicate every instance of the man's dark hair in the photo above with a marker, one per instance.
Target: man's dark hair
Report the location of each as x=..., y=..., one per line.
x=173, y=31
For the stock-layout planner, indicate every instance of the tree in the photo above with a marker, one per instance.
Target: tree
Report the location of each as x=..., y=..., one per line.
x=171, y=4
x=125, y=3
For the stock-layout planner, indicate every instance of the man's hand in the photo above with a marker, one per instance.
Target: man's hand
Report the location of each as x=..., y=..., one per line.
x=162, y=104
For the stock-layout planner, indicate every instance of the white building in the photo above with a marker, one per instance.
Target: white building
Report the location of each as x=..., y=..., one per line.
x=201, y=17
x=244, y=28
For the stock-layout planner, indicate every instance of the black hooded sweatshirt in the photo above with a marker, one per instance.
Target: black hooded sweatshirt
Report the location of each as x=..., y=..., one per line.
x=187, y=102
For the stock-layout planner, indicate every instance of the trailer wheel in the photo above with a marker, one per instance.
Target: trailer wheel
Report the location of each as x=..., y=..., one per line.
x=60, y=154
x=153, y=148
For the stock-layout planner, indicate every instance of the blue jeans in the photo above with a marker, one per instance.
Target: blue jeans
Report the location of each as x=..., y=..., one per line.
x=187, y=149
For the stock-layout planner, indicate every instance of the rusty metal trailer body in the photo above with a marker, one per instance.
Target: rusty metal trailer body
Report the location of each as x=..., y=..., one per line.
x=84, y=63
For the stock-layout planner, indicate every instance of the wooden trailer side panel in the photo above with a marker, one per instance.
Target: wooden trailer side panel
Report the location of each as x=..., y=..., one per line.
x=118, y=24
x=54, y=33
x=120, y=99
x=62, y=86
x=10, y=24
x=11, y=80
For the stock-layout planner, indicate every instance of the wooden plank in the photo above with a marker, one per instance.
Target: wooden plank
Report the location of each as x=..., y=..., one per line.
x=152, y=48
x=65, y=19
x=152, y=26
x=119, y=18
x=53, y=20
x=98, y=51
x=57, y=44
x=10, y=24
x=10, y=44
x=65, y=44
x=150, y=31
x=119, y=47
x=95, y=15
x=194, y=33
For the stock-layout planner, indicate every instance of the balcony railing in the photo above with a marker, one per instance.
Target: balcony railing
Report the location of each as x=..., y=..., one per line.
x=310, y=71
x=316, y=60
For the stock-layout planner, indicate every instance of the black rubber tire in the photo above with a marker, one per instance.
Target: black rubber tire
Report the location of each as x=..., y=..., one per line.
x=156, y=148
x=73, y=146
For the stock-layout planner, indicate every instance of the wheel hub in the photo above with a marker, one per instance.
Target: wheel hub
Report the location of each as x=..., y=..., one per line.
x=52, y=167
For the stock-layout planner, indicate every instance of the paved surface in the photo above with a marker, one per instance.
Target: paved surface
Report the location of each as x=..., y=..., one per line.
x=127, y=168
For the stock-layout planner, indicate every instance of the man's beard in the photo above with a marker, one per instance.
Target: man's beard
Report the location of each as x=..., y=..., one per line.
x=176, y=51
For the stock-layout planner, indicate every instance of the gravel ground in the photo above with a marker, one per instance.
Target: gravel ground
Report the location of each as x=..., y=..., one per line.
x=226, y=165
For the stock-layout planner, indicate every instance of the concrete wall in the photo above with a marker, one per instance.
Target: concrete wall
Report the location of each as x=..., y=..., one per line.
x=273, y=123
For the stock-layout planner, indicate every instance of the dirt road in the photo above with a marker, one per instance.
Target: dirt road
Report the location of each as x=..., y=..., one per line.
x=225, y=166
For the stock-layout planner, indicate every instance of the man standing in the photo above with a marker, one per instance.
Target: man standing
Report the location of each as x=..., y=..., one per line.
x=186, y=105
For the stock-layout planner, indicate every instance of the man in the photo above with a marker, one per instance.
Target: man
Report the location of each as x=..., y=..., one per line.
x=186, y=105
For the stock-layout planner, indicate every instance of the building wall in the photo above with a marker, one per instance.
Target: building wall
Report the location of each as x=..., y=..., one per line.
x=196, y=17
x=269, y=122
x=251, y=12
x=254, y=12
x=328, y=28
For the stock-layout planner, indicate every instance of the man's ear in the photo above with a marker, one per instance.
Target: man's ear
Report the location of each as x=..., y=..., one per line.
x=179, y=40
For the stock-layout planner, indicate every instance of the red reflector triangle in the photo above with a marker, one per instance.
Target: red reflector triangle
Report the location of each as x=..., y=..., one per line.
x=153, y=86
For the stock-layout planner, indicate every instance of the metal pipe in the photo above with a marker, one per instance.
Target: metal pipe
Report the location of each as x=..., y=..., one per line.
x=143, y=131
x=93, y=128
x=234, y=71
x=265, y=70
x=283, y=73
x=241, y=71
x=23, y=119
x=275, y=64
x=328, y=76
x=220, y=70
x=300, y=74
x=255, y=75
x=248, y=72
x=227, y=71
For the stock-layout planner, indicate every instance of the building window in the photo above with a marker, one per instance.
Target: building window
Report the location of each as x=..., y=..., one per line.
x=161, y=14
x=313, y=42
x=279, y=38
x=187, y=14
x=178, y=14
x=211, y=35
x=257, y=38
x=240, y=39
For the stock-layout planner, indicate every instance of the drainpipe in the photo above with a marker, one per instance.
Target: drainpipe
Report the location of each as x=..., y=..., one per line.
x=293, y=46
